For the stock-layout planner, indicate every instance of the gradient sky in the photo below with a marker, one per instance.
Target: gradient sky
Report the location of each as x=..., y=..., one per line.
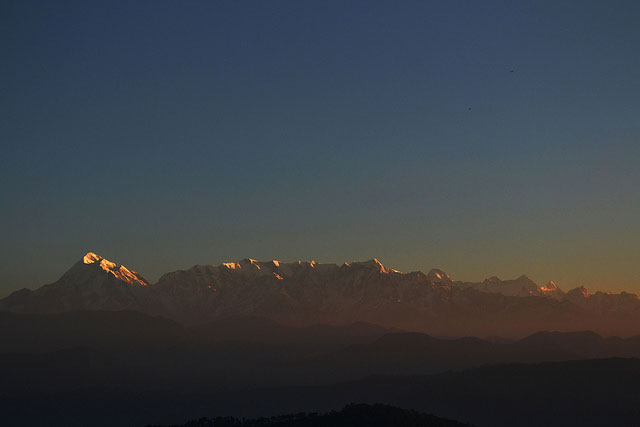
x=483, y=138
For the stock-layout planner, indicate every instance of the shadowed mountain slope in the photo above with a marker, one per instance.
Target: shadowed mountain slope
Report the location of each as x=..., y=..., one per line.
x=252, y=352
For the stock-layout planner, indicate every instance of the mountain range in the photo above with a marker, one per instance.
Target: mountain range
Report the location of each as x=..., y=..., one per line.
x=307, y=293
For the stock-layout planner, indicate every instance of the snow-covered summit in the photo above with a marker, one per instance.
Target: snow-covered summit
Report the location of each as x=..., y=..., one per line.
x=121, y=272
x=436, y=275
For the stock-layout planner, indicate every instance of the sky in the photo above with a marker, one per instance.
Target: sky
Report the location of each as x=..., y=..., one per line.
x=483, y=138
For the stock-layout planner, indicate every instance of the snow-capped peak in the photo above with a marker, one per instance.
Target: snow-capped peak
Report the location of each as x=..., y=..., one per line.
x=90, y=258
x=437, y=275
x=231, y=265
x=549, y=287
x=373, y=263
x=120, y=272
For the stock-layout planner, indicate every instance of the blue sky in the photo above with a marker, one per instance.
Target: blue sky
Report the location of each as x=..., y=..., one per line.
x=484, y=138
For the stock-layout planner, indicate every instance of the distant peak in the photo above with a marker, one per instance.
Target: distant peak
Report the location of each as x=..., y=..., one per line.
x=551, y=289
x=231, y=265
x=253, y=264
x=311, y=263
x=579, y=291
x=121, y=272
x=373, y=263
x=437, y=275
x=250, y=262
x=90, y=258
x=376, y=263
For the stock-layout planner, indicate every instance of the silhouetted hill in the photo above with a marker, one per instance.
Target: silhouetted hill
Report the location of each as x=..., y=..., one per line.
x=21, y=332
x=377, y=415
x=584, y=344
x=587, y=393
x=67, y=370
x=266, y=332
x=250, y=352
x=415, y=353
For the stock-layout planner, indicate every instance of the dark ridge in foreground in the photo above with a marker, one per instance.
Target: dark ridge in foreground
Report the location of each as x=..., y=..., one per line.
x=586, y=393
x=377, y=415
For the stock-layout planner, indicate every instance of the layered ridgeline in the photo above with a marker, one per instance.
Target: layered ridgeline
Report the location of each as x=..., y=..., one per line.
x=304, y=293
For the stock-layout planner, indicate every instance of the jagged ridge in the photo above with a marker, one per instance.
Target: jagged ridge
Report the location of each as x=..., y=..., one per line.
x=311, y=292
